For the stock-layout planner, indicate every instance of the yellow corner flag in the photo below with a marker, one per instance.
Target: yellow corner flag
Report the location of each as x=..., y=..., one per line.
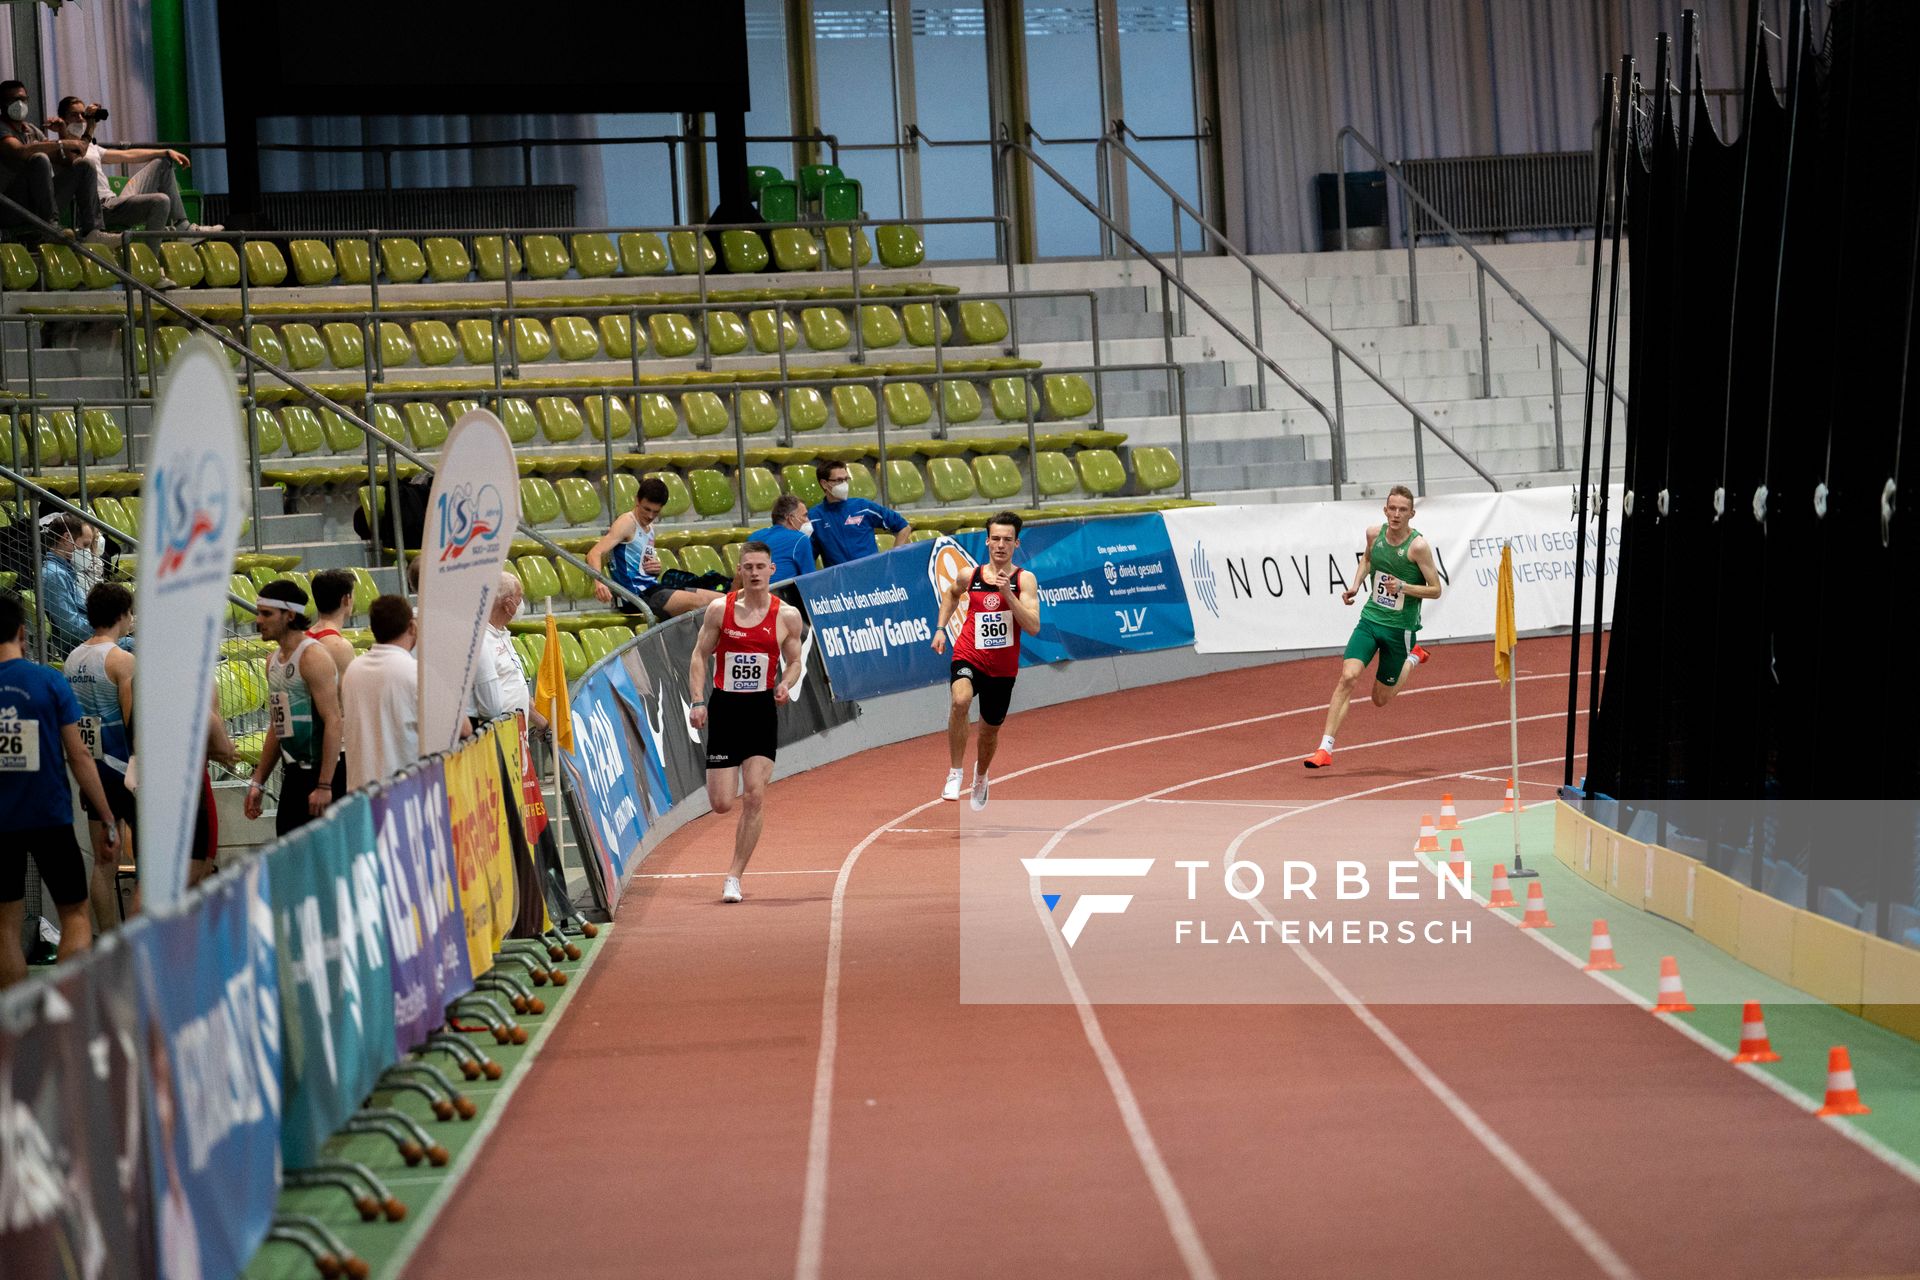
x=1504, y=637
x=550, y=689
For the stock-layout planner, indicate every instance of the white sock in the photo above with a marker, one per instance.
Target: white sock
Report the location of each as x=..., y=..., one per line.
x=1326, y=743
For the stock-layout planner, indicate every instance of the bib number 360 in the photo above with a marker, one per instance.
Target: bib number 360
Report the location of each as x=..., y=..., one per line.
x=993, y=630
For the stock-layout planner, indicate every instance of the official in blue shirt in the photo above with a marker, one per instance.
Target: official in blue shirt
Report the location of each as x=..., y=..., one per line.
x=843, y=527
x=789, y=537
x=65, y=579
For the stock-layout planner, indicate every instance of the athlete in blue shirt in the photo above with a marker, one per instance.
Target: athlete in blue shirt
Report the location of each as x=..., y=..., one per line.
x=789, y=537
x=625, y=554
x=843, y=527
x=39, y=741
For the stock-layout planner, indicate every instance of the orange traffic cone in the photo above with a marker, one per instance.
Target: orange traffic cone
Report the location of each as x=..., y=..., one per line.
x=1507, y=805
x=1673, y=998
x=1449, y=821
x=1429, y=841
x=1754, y=1046
x=1457, y=860
x=1600, y=950
x=1843, y=1098
x=1536, y=917
x=1500, y=895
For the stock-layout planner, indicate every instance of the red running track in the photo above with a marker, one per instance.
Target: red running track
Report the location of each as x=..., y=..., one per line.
x=681, y=1121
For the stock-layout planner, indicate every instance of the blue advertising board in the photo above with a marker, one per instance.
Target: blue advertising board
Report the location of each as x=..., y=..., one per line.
x=425, y=939
x=602, y=778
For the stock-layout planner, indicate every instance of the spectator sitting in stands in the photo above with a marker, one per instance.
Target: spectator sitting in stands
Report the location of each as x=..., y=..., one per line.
x=42, y=173
x=789, y=537
x=66, y=575
x=151, y=199
x=625, y=554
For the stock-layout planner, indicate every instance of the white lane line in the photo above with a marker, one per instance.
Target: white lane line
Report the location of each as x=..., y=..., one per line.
x=813, y=1207
x=1228, y=804
x=715, y=875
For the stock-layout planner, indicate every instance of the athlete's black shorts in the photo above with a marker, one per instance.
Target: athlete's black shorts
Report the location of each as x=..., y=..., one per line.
x=992, y=693
x=119, y=799
x=655, y=598
x=297, y=783
x=206, y=825
x=740, y=725
x=63, y=872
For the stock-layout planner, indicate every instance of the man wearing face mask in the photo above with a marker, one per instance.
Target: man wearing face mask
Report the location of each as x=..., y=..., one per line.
x=843, y=527
x=42, y=173
x=151, y=199
x=789, y=537
x=500, y=682
x=66, y=575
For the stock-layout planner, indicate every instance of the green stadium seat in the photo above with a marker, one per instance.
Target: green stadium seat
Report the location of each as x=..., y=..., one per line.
x=537, y=576
x=1010, y=399
x=301, y=426
x=222, y=264
x=346, y=347
x=806, y=408
x=771, y=329
x=841, y=202
x=982, y=324
x=673, y=335
x=706, y=413
x=578, y=500
x=356, y=261
x=574, y=338
x=608, y=417
x=761, y=489
x=843, y=244
x=744, y=252
x=1067, y=395
x=560, y=419
x=517, y=416
x=17, y=271
x=700, y=558
x=925, y=323
x=575, y=583
x=854, y=407
x=616, y=336
x=547, y=257
x=780, y=202
x=496, y=257
x=265, y=265
x=365, y=589
x=401, y=260
x=860, y=481
x=572, y=657
x=712, y=494
x=658, y=417
x=733, y=553
x=104, y=435
x=182, y=265
x=642, y=254
x=447, y=259
x=593, y=255
x=795, y=249
x=1155, y=468
x=759, y=175
x=267, y=436
x=434, y=342
x=342, y=436
x=531, y=342
x=426, y=424
x=813, y=178
x=388, y=420
x=826, y=328
x=900, y=245
x=139, y=263
x=758, y=413
x=679, y=494
x=1055, y=472
x=908, y=404
x=997, y=477
x=625, y=488
x=682, y=246
x=961, y=401
x=396, y=348
x=726, y=335
x=305, y=350
x=114, y=515
x=802, y=483
x=60, y=267
x=879, y=326
x=951, y=479
x=1100, y=471
x=266, y=344
x=539, y=504
x=905, y=484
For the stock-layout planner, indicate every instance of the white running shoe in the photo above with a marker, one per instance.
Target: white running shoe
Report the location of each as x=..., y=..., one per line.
x=731, y=893
x=952, y=790
x=979, y=800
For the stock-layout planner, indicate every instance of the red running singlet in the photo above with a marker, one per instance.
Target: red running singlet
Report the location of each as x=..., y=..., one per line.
x=747, y=659
x=989, y=637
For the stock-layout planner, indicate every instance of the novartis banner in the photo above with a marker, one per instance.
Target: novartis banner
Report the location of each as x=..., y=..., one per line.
x=1271, y=577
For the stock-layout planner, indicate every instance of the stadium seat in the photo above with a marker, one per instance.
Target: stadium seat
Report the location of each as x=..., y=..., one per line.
x=806, y=409
x=1067, y=395
x=17, y=271
x=682, y=246
x=342, y=436
x=574, y=338
x=593, y=255
x=517, y=416
x=813, y=179
x=925, y=322
x=265, y=265
x=1010, y=399
x=616, y=337
x=679, y=493
x=712, y=494
x=267, y=436
x=843, y=244
x=761, y=489
x=560, y=419
x=771, y=329
x=539, y=504
x=60, y=267
x=726, y=335
x=1100, y=471
x=625, y=487
x=900, y=245
x=346, y=347
x=706, y=413
x=531, y=342
x=732, y=553
x=537, y=577
x=642, y=254
x=961, y=400
x=758, y=413
x=365, y=589
x=982, y=324
x=795, y=249
x=182, y=265
x=356, y=261
x=951, y=479
x=304, y=348
x=673, y=335
x=608, y=417
x=860, y=481
x=222, y=264
x=826, y=328
x=575, y=583
x=1155, y=468
x=578, y=501
x=905, y=484
x=572, y=656
x=301, y=426
x=547, y=257
x=426, y=424
x=802, y=483
x=447, y=259
x=313, y=262
x=879, y=326
x=266, y=344
x=700, y=558
x=997, y=477
x=658, y=417
x=396, y=348
x=841, y=202
x=496, y=257
x=854, y=408
x=759, y=175
x=103, y=433
x=908, y=404
x=434, y=343
x=401, y=260
x=388, y=421
x=1055, y=473
x=744, y=252
x=780, y=202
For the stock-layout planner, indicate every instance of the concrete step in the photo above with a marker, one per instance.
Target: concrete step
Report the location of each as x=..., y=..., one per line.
x=304, y=526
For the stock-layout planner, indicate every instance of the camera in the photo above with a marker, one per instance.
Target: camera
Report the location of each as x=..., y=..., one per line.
x=95, y=115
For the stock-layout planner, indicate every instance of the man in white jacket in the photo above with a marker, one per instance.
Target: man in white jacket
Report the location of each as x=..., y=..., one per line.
x=380, y=697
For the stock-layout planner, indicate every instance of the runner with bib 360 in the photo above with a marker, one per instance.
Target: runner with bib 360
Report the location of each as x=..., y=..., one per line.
x=1400, y=564
x=1002, y=601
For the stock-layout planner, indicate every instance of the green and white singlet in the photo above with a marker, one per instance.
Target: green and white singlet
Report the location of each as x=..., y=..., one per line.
x=290, y=703
x=1396, y=610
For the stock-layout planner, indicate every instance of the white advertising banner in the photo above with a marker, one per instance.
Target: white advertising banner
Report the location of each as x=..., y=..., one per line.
x=189, y=527
x=472, y=514
x=1270, y=577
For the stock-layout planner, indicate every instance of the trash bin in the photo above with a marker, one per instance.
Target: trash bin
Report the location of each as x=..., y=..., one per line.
x=1366, y=209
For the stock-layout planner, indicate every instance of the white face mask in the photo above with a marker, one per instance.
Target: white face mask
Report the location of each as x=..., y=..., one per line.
x=84, y=559
x=16, y=110
x=806, y=528
x=838, y=492
x=75, y=130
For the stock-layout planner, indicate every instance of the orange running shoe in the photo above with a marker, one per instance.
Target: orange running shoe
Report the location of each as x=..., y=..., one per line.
x=1422, y=655
x=1320, y=759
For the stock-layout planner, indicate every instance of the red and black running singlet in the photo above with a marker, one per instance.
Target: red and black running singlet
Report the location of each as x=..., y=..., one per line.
x=747, y=659
x=321, y=633
x=989, y=637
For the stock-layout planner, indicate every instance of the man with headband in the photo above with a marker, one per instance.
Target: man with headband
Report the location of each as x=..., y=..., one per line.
x=303, y=699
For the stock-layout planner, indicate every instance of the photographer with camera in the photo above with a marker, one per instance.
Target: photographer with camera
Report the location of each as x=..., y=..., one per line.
x=42, y=172
x=151, y=199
